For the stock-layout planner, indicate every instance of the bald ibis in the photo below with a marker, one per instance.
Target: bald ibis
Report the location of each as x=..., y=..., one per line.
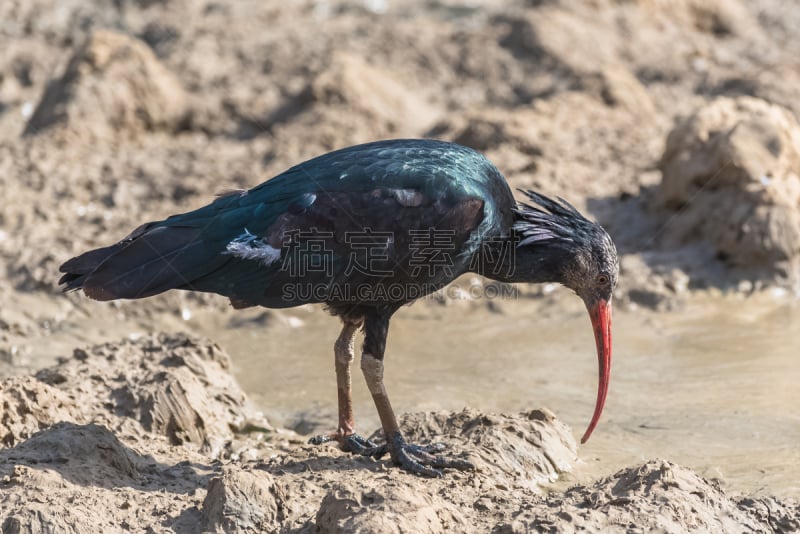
x=365, y=230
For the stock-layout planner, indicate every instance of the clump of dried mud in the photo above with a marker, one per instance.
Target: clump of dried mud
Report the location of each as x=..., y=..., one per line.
x=131, y=435
x=734, y=169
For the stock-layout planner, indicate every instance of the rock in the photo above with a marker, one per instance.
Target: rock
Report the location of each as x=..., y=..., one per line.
x=112, y=85
x=387, y=507
x=243, y=501
x=733, y=168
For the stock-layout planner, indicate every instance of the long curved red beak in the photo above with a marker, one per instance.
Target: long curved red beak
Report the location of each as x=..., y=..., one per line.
x=600, y=314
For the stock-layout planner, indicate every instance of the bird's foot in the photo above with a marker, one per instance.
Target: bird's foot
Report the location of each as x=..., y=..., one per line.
x=352, y=443
x=423, y=459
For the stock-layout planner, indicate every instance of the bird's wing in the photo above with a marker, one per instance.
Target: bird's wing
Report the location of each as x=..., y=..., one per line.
x=357, y=239
x=238, y=245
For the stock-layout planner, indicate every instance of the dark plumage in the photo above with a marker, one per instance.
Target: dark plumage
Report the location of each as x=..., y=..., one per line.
x=348, y=229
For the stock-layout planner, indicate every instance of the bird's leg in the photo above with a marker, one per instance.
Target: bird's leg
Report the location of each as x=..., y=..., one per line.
x=349, y=441
x=344, y=351
x=417, y=459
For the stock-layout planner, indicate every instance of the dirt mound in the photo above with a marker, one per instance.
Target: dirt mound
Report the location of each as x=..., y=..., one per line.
x=27, y=405
x=172, y=385
x=523, y=450
x=160, y=454
x=635, y=498
x=376, y=94
x=242, y=501
x=74, y=448
x=393, y=507
x=716, y=17
x=572, y=99
x=184, y=99
x=511, y=453
x=83, y=478
x=733, y=169
x=113, y=84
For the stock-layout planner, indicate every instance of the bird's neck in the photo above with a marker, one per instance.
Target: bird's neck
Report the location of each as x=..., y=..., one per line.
x=503, y=261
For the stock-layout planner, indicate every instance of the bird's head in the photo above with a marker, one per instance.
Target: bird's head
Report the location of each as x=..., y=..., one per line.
x=567, y=248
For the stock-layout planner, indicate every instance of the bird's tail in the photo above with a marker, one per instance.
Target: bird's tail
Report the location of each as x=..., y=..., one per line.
x=151, y=260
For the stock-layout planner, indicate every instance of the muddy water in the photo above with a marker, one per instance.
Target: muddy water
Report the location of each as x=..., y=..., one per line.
x=714, y=386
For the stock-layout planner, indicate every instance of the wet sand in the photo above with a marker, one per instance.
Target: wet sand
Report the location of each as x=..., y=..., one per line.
x=116, y=422
x=707, y=387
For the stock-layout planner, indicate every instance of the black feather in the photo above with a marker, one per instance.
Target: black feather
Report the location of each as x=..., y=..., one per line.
x=549, y=221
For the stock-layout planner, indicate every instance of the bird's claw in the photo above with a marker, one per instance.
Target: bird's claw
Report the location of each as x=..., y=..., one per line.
x=352, y=443
x=423, y=459
x=356, y=444
x=322, y=438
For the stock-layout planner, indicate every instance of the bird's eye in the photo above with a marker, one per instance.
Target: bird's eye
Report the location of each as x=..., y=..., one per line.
x=602, y=279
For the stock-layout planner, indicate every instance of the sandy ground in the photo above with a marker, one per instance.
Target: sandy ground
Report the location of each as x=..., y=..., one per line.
x=154, y=435
x=674, y=123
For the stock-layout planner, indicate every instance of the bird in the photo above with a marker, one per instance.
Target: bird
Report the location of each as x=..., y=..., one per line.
x=365, y=230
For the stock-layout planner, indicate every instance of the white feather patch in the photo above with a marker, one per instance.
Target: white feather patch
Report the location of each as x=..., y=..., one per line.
x=250, y=247
x=408, y=197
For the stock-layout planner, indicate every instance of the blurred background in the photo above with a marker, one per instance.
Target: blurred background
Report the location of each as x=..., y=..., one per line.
x=672, y=122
